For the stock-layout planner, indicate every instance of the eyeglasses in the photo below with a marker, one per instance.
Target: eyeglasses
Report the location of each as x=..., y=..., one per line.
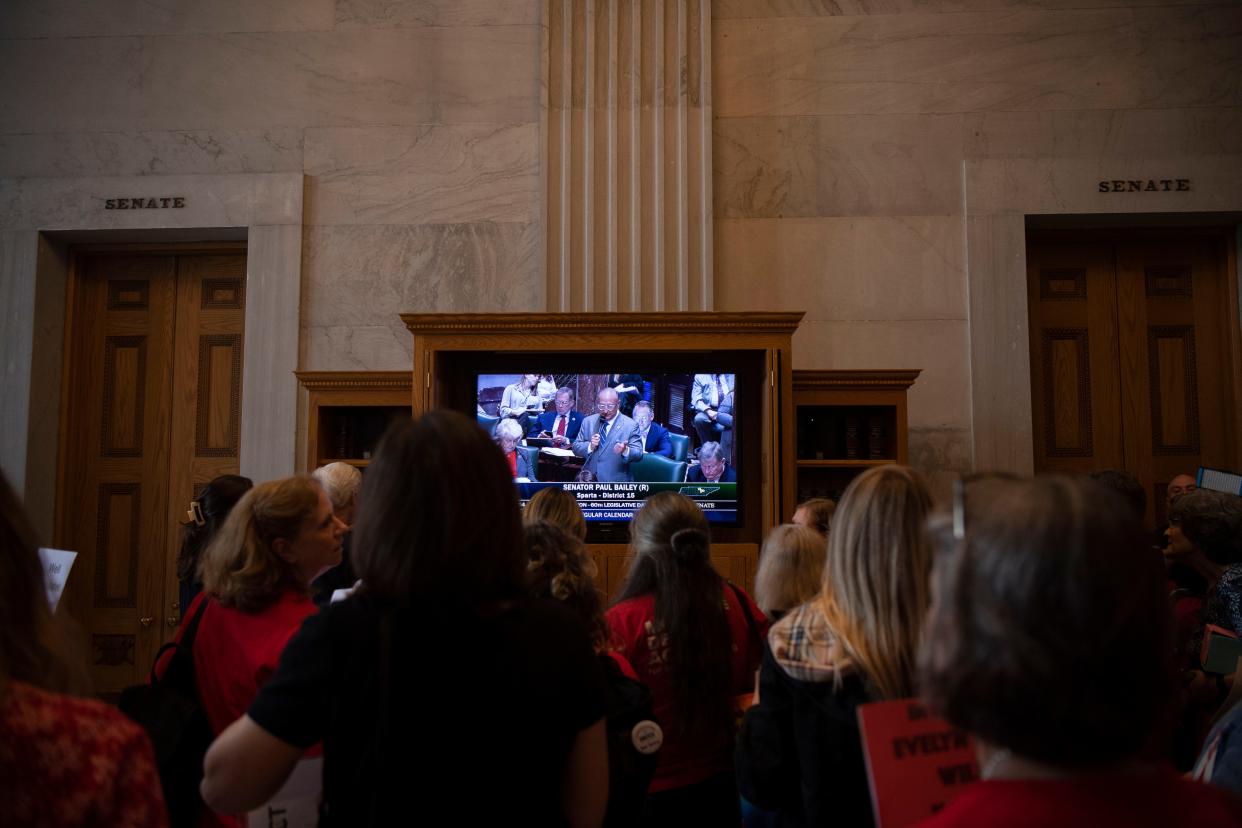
x=605, y=406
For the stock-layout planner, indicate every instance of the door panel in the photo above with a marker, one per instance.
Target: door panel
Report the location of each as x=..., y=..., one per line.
x=152, y=407
x=1074, y=357
x=1148, y=314
x=118, y=410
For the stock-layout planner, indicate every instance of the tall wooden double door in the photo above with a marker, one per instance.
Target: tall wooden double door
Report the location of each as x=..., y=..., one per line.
x=1134, y=339
x=151, y=410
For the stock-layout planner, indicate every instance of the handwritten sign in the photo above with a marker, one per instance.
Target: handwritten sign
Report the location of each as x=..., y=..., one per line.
x=296, y=805
x=916, y=763
x=56, y=566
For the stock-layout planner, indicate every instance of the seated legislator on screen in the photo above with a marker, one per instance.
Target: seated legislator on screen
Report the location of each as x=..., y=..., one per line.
x=711, y=467
x=563, y=423
x=608, y=441
x=654, y=436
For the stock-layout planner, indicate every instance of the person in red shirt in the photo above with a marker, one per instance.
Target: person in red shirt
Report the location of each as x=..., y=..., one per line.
x=1049, y=639
x=256, y=581
x=696, y=641
x=64, y=761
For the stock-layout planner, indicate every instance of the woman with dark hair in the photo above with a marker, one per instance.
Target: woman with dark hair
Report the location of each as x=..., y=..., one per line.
x=210, y=506
x=1205, y=535
x=439, y=681
x=561, y=569
x=695, y=640
x=1049, y=640
x=855, y=642
x=64, y=761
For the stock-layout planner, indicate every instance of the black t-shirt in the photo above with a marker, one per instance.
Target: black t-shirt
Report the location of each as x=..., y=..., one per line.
x=478, y=716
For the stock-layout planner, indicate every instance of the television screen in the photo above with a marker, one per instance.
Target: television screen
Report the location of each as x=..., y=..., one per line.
x=613, y=440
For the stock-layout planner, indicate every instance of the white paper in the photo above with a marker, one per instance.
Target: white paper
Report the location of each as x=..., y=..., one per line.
x=556, y=452
x=56, y=566
x=342, y=594
x=296, y=805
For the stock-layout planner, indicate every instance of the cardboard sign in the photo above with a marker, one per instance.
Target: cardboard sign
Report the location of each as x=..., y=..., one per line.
x=56, y=566
x=916, y=763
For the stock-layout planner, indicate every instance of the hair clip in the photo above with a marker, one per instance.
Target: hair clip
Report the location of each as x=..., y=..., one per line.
x=195, y=514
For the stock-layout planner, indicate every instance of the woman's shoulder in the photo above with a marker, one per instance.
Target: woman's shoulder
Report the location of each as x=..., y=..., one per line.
x=805, y=646
x=41, y=715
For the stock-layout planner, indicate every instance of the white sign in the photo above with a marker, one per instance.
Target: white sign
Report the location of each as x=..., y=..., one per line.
x=296, y=805
x=56, y=566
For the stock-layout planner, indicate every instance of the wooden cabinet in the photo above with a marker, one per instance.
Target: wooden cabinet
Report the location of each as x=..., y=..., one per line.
x=347, y=412
x=847, y=421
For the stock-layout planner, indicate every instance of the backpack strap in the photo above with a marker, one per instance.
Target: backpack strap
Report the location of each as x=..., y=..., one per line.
x=186, y=643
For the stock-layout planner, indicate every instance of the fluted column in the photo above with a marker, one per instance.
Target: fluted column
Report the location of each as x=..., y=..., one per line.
x=629, y=223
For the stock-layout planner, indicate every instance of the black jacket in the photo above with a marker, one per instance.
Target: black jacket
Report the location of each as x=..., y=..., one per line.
x=799, y=752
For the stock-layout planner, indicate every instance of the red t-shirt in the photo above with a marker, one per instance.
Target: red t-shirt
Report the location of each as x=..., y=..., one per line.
x=235, y=652
x=1156, y=797
x=66, y=761
x=685, y=763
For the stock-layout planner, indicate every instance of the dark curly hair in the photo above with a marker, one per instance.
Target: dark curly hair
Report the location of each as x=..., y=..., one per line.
x=1212, y=521
x=560, y=568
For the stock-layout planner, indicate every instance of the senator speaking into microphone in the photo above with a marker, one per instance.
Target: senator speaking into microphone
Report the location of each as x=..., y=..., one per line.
x=608, y=440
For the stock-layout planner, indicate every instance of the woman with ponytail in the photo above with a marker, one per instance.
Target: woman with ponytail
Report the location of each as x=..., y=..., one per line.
x=695, y=640
x=799, y=752
x=210, y=506
x=256, y=576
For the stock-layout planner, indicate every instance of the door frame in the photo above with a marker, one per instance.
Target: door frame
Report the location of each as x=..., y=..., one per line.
x=50, y=214
x=1001, y=196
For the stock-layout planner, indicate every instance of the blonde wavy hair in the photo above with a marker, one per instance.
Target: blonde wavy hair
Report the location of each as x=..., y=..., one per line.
x=558, y=507
x=240, y=569
x=791, y=568
x=875, y=583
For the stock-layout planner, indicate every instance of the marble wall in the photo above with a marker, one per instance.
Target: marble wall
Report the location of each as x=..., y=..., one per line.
x=416, y=123
x=847, y=135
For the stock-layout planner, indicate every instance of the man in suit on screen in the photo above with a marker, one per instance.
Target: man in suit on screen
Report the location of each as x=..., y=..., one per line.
x=654, y=436
x=608, y=441
x=564, y=422
x=711, y=467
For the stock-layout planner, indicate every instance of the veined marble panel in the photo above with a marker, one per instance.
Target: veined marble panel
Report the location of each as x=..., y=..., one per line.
x=404, y=13
x=357, y=348
x=109, y=18
x=263, y=81
x=745, y=9
x=837, y=166
x=927, y=63
x=942, y=455
x=150, y=153
x=940, y=397
x=1104, y=133
x=902, y=267
x=1192, y=57
x=425, y=174
x=210, y=201
x=1070, y=185
x=361, y=276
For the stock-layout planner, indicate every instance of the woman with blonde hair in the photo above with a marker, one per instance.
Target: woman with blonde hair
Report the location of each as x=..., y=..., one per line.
x=799, y=752
x=791, y=569
x=558, y=507
x=256, y=577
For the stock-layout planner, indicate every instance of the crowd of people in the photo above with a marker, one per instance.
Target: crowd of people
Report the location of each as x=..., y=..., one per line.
x=466, y=659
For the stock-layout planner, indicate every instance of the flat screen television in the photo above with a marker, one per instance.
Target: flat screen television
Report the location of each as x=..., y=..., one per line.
x=675, y=422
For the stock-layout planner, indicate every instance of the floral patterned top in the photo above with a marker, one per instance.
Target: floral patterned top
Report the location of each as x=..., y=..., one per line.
x=1223, y=606
x=66, y=761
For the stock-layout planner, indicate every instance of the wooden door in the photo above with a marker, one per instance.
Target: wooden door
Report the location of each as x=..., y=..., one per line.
x=151, y=409
x=1132, y=364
